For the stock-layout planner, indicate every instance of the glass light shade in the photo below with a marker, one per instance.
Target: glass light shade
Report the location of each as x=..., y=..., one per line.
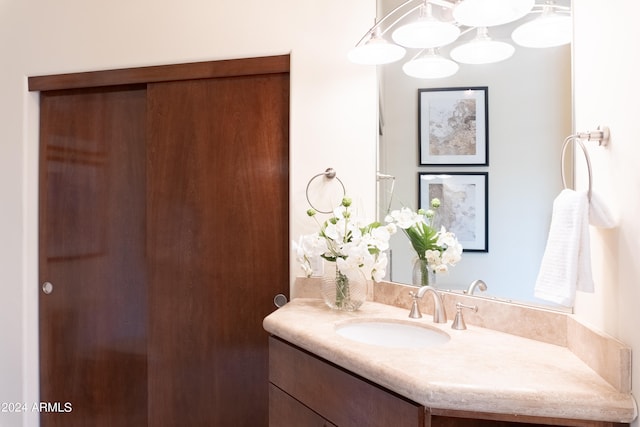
x=482, y=50
x=425, y=33
x=488, y=13
x=549, y=30
x=376, y=51
x=430, y=67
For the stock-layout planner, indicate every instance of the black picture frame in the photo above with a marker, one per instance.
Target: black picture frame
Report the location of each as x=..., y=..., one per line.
x=464, y=209
x=453, y=126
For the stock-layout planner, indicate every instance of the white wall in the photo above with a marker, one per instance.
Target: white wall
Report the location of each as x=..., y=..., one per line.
x=605, y=83
x=333, y=113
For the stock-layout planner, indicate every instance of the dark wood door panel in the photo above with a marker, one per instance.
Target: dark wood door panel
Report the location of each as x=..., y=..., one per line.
x=93, y=324
x=164, y=230
x=217, y=245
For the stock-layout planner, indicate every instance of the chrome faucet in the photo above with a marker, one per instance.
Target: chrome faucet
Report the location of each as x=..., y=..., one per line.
x=458, y=322
x=476, y=284
x=439, y=316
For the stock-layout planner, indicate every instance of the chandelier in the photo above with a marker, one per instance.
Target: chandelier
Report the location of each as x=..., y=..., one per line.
x=462, y=27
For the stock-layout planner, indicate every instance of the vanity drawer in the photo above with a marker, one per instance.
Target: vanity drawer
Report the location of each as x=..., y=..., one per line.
x=337, y=395
x=285, y=411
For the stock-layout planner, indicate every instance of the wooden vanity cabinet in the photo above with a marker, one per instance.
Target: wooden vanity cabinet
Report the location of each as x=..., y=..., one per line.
x=475, y=419
x=324, y=394
x=307, y=391
x=285, y=411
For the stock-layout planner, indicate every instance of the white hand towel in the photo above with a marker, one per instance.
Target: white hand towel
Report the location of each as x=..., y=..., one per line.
x=566, y=263
x=599, y=213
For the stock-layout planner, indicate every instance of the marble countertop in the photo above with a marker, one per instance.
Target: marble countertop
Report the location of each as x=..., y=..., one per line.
x=478, y=369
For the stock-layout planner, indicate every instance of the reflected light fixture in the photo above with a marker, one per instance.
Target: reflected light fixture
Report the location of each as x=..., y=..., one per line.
x=482, y=50
x=548, y=30
x=376, y=51
x=430, y=65
x=441, y=23
x=426, y=31
x=489, y=13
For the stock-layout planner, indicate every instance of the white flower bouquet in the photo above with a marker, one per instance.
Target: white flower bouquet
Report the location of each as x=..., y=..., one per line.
x=355, y=246
x=437, y=250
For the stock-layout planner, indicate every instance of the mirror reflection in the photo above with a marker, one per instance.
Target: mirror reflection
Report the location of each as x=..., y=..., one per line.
x=529, y=115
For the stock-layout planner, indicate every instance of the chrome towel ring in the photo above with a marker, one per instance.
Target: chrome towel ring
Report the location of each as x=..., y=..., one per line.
x=601, y=135
x=330, y=174
x=586, y=156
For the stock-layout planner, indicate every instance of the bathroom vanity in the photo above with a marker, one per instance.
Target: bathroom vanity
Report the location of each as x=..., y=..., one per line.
x=478, y=377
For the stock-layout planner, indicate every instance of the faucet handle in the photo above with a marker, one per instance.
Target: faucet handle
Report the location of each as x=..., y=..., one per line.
x=458, y=322
x=415, y=310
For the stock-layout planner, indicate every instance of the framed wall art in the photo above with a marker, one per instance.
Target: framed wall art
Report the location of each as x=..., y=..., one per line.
x=453, y=126
x=464, y=205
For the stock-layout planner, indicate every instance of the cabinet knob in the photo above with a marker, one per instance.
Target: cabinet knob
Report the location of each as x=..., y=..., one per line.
x=47, y=287
x=280, y=300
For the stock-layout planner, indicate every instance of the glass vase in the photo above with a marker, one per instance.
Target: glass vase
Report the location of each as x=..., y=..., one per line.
x=423, y=275
x=343, y=293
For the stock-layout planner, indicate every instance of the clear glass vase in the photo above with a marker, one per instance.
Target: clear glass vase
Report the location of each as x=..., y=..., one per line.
x=423, y=275
x=343, y=293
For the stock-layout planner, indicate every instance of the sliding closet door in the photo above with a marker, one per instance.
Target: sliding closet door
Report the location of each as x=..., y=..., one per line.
x=93, y=310
x=217, y=212
x=163, y=241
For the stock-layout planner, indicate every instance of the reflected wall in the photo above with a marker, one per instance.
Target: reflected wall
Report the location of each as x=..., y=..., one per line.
x=529, y=115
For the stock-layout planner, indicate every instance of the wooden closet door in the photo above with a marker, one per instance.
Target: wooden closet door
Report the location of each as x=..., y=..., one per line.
x=217, y=210
x=93, y=324
x=164, y=234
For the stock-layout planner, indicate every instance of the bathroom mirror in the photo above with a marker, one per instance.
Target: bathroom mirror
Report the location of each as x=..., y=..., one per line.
x=529, y=115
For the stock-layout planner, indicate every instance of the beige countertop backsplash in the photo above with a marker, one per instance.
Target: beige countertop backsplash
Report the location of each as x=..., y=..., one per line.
x=512, y=358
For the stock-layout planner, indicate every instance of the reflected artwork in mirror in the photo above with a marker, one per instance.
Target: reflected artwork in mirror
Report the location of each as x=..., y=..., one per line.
x=530, y=116
x=452, y=126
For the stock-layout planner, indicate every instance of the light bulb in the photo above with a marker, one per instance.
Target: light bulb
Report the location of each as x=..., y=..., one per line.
x=430, y=66
x=426, y=33
x=482, y=50
x=376, y=51
x=488, y=13
x=549, y=30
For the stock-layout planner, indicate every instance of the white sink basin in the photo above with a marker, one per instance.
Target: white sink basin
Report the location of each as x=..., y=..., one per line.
x=392, y=334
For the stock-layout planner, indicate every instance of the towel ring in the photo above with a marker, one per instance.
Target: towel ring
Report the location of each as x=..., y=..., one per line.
x=577, y=139
x=329, y=173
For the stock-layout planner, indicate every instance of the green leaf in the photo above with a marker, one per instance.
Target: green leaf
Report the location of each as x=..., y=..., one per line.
x=422, y=238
